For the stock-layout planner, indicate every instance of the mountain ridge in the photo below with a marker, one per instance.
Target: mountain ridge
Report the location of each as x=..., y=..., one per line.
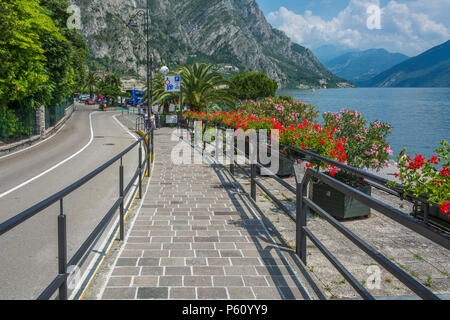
x=217, y=31
x=361, y=66
x=428, y=69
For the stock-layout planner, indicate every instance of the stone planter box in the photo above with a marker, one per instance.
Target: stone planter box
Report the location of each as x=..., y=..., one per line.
x=338, y=204
x=286, y=166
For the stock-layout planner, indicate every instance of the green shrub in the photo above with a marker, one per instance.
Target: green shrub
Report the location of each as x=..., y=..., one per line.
x=9, y=124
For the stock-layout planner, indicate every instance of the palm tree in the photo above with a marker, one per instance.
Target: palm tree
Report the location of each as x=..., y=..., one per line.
x=91, y=83
x=204, y=87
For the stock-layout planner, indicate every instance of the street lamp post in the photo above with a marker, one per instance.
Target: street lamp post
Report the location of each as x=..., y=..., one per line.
x=146, y=15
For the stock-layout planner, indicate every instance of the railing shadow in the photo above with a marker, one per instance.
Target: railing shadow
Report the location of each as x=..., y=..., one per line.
x=269, y=250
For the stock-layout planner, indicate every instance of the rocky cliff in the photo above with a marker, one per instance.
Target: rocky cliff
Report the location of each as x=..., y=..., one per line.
x=233, y=32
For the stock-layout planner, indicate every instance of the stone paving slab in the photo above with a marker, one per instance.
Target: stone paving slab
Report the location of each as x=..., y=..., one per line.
x=424, y=260
x=194, y=239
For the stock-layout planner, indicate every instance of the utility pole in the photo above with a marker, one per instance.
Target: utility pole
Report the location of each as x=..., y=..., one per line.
x=149, y=66
x=146, y=14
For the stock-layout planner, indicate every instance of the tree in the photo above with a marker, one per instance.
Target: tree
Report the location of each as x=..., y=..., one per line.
x=110, y=86
x=65, y=59
x=22, y=56
x=91, y=83
x=253, y=86
x=203, y=87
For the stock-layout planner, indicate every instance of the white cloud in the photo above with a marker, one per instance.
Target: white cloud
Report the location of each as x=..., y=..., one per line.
x=410, y=28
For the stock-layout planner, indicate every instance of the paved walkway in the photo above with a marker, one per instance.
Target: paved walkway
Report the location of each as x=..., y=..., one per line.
x=195, y=238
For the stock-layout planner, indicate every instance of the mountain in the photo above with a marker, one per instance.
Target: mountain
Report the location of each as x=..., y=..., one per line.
x=359, y=67
x=232, y=32
x=329, y=52
x=429, y=69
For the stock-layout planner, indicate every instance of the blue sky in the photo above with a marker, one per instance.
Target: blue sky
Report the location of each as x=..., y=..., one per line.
x=406, y=26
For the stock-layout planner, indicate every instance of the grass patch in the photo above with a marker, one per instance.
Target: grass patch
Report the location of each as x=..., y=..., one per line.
x=369, y=264
x=419, y=257
x=339, y=282
x=445, y=273
x=429, y=282
x=414, y=274
x=286, y=197
x=273, y=202
x=403, y=267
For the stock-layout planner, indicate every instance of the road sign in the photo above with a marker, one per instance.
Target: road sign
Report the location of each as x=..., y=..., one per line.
x=171, y=119
x=172, y=84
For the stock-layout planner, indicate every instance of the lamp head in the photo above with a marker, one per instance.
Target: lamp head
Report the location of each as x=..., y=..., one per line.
x=131, y=24
x=164, y=70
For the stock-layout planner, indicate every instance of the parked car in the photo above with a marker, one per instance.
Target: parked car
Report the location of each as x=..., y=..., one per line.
x=83, y=97
x=90, y=101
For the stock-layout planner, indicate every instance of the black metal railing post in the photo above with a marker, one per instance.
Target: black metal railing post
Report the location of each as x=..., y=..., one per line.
x=253, y=183
x=301, y=212
x=140, y=170
x=149, y=154
x=121, y=202
x=204, y=124
x=426, y=211
x=62, y=251
x=151, y=134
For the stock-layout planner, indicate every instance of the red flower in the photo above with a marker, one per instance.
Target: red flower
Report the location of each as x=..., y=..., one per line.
x=309, y=165
x=445, y=172
x=433, y=160
x=418, y=162
x=445, y=208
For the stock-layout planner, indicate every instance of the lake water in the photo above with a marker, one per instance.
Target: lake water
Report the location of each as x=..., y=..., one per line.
x=420, y=117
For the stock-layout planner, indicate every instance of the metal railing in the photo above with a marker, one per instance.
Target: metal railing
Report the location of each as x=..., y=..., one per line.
x=304, y=204
x=140, y=123
x=60, y=281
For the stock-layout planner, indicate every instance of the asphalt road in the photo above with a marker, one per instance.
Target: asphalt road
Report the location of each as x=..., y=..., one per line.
x=29, y=252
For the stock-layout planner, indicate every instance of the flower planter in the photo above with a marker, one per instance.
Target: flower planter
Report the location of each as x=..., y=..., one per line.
x=435, y=215
x=286, y=165
x=338, y=204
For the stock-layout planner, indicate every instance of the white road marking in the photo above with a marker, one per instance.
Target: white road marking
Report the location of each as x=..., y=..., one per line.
x=108, y=241
x=57, y=165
